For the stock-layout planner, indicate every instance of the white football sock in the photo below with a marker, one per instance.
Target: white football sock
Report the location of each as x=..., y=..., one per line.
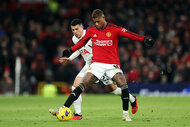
x=131, y=98
x=77, y=103
x=124, y=112
x=118, y=92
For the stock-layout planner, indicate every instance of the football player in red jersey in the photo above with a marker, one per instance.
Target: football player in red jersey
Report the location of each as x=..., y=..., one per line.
x=105, y=59
x=86, y=52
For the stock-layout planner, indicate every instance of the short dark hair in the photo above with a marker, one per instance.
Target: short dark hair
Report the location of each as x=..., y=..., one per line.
x=97, y=13
x=75, y=22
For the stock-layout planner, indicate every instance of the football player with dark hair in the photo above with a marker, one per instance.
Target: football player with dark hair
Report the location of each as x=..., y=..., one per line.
x=86, y=52
x=105, y=58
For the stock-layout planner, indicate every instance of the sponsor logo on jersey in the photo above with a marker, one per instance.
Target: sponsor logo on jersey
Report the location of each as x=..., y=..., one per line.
x=108, y=34
x=103, y=42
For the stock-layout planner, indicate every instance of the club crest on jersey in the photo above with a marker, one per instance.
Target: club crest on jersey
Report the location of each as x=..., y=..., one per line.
x=108, y=34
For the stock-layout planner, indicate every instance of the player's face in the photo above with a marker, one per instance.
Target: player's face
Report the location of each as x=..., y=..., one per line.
x=100, y=22
x=77, y=30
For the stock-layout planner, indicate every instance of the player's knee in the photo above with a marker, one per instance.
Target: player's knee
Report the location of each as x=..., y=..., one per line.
x=84, y=84
x=89, y=79
x=120, y=79
x=121, y=83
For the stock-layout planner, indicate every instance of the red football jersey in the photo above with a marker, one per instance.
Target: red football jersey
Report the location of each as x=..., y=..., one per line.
x=105, y=42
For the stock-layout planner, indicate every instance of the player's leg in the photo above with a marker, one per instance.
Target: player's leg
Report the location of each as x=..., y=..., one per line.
x=87, y=80
x=77, y=103
x=113, y=89
x=120, y=80
x=117, y=91
x=110, y=86
x=92, y=75
x=70, y=99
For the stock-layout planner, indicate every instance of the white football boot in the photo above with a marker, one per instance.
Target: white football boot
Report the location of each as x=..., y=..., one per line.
x=126, y=117
x=53, y=111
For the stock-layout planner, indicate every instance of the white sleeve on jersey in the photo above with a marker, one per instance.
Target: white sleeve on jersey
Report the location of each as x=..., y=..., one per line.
x=74, y=55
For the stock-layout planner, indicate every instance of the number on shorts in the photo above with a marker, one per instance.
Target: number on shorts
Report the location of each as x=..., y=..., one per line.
x=105, y=78
x=116, y=66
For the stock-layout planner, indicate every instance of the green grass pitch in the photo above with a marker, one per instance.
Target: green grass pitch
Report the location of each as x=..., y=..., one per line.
x=99, y=110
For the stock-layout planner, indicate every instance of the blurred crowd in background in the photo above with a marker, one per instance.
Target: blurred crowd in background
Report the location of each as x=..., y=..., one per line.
x=38, y=33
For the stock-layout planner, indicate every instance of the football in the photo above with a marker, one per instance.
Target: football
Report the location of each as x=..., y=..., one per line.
x=64, y=114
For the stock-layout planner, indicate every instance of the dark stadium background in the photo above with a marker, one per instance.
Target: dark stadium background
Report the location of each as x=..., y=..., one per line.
x=38, y=30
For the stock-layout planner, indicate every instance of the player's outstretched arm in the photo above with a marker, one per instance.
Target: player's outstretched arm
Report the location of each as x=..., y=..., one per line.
x=128, y=34
x=63, y=59
x=72, y=57
x=148, y=41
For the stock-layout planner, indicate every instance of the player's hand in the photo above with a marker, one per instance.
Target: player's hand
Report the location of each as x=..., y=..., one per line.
x=63, y=60
x=67, y=52
x=149, y=42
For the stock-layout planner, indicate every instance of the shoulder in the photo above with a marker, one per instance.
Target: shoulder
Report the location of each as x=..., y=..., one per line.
x=113, y=25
